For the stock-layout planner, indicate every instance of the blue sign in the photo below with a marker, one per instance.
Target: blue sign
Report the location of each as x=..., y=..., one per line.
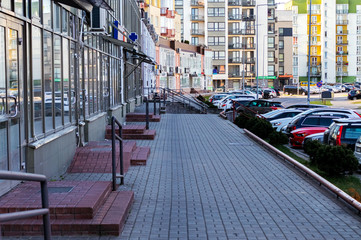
x=115, y=30
x=319, y=84
x=133, y=36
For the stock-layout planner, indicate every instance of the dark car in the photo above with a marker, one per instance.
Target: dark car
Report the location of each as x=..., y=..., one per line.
x=259, y=106
x=289, y=113
x=354, y=94
x=348, y=87
x=343, y=132
x=310, y=121
x=304, y=106
x=294, y=90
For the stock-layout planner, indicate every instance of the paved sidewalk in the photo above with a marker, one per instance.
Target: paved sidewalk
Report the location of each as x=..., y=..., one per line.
x=205, y=179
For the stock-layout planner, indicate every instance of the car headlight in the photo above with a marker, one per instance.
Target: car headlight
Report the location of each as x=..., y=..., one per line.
x=301, y=134
x=276, y=124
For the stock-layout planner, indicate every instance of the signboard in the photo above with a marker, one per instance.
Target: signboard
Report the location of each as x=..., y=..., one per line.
x=267, y=77
x=319, y=84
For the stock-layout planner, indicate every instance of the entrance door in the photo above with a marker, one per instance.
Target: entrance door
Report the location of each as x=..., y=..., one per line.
x=12, y=136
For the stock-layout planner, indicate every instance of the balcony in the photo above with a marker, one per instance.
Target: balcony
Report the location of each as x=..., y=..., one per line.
x=241, y=32
x=166, y=32
x=197, y=18
x=235, y=46
x=249, y=74
x=315, y=74
x=341, y=53
x=234, y=60
x=343, y=32
x=195, y=3
x=233, y=17
x=179, y=3
x=314, y=64
x=171, y=33
x=163, y=31
x=248, y=18
x=343, y=74
x=341, y=42
x=246, y=3
x=248, y=46
x=343, y=63
x=316, y=12
x=341, y=22
x=170, y=14
x=234, y=75
x=341, y=11
x=315, y=43
x=163, y=11
x=250, y=61
x=234, y=3
x=197, y=32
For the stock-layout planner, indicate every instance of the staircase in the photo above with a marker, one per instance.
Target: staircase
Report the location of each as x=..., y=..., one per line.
x=132, y=132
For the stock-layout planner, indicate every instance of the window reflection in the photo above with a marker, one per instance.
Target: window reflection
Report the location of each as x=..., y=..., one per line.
x=64, y=21
x=37, y=86
x=2, y=70
x=57, y=79
x=48, y=82
x=47, y=13
x=72, y=80
x=85, y=82
x=19, y=7
x=66, y=96
x=6, y=4
x=35, y=8
x=56, y=17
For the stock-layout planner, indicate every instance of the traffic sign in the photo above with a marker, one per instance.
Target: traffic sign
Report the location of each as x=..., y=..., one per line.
x=133, y=36
x=319, y=84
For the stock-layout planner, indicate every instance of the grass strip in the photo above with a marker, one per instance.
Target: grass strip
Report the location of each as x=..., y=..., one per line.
x=322, y=102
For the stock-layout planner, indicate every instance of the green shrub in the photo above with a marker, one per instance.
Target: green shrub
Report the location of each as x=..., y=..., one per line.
x=261, y=127
x=311, y=148
x=335, y=160
x=277, y=138
x=242, y=120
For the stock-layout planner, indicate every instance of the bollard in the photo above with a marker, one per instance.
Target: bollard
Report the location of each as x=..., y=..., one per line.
x=155, y=105
x=146, y=113
x=160, y=102
x=164, y=97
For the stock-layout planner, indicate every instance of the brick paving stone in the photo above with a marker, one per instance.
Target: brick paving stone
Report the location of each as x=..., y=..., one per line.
x=205, y=179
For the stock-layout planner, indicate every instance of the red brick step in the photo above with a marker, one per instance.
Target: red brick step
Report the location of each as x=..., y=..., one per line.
x=147, y=135
x=140, y=156
x=141, y=117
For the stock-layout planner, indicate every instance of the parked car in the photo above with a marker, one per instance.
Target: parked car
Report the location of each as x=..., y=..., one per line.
x=348, y=87
x=258, y=107
x=354, y=94
x=311, y=121
x=358, y=150
x=304, y=106
x=219, y=103
x=217, y=97
x=269, y=93
x=336, y=112
x=343, y=132
x=281, y=113
x=229, y=102
x=297, y=136
x=313, y=137
x=293, y=90
x=245, y=92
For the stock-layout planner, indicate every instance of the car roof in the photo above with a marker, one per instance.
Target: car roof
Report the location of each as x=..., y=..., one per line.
x=348, y=120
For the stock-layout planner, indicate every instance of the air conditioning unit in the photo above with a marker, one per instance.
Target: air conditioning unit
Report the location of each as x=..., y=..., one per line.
x=98, y=20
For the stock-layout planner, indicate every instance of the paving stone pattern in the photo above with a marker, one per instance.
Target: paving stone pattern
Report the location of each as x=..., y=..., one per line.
x=205, y=179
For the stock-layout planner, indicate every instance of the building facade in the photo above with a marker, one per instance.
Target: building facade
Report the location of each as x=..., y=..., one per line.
x=335, y=40
x=65, y=69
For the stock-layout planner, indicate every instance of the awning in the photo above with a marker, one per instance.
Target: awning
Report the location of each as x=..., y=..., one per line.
x=86, y=5
x=285, y=76
x=131, y=48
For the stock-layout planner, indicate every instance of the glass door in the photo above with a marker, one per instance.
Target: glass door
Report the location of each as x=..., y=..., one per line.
x=11, y=100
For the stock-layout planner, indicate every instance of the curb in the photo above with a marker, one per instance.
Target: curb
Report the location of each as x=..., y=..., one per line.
x=340, y=194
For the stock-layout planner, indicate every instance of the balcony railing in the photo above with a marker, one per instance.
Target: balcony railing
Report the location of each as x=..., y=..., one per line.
x=341, y=22
x=234, y=60
x=248, y=18
x=315, y=43
x=235, y=46
x=341, y=73
x=343, y=32
x=234, y=3
x=250, y=60
x=234, y=74
x=197, y=32
x=341, y=11
x=318, y=11
x=250, y=74
x=246, y=3
x=342, y=42
x=197, y=3
x=341, y=53
x=163, y=31
x=343, y=63
x=197, y=18
x=315, y=73
x=170, y=14
x=234, y=16
x=163, y=11
x=271, y=2
x=314, y=64
x=241, y=32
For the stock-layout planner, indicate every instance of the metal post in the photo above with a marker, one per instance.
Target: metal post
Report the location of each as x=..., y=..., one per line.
x=155, y=105
x=309, y=56
x=146, y=113
x=121, y=156
x=114, y=166
x=160, y=102
x=164, y=97
x=45, y=204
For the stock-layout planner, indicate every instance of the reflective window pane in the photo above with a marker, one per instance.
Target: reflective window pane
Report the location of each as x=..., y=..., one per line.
x=13, y=71
x=64, y=21
x=3, y=145
x=56, y=17
x=47, y=13
x=35, y=8
x=2, y=71
x=66, y=85
x=37, y=86
x=90, y=82
x=19, y=7
x=48, y=82
x=6, y=4
x=72, y=82
x=57, y=80
x=85, y=82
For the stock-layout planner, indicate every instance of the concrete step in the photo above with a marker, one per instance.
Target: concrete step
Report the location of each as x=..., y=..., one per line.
x=140, y=156
x=140, y=117
x=147, y=135
x=96, y=157
x=108, y=220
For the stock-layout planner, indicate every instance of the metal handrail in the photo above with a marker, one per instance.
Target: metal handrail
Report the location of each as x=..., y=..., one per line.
x=175, y=94
x=114, y=165
x=8, y=175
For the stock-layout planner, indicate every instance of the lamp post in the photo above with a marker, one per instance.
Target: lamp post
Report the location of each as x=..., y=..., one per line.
x=309, y=56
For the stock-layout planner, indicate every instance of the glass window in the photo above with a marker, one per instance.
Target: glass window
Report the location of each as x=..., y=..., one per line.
x=72, y=82
x=281, y=44
x=85, y=82
x=311, y=121
x=352, y=133
x=35, y=9
x=57, y=79
x=47, y=13
x=37, y=80
x=6, y=4
x=64, y=21
x=56, y=16
x=66, y=86
x=48, y=81
x=19, y=9
x=271, y=70
x=2, y=68
x=281, y=57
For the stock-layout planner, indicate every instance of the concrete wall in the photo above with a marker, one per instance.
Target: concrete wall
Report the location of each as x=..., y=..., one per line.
x=95, y=127
x=51, y=156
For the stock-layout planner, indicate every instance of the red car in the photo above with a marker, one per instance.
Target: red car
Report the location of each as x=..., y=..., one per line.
x=298, y=135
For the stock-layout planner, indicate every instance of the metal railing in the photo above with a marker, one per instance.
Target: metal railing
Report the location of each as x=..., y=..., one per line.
x=4, y=217
x=115, y=136
x=186, y=100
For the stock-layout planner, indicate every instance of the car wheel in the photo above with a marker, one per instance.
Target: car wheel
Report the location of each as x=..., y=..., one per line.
x=270, y=96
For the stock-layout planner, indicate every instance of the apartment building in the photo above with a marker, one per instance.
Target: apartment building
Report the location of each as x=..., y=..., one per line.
x=164, y=18
x=335, y=40
x=65, y=69
x=229, y=28
x=183, y=66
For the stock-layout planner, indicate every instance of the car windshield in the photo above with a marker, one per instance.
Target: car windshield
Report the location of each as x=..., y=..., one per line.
x=272, y=113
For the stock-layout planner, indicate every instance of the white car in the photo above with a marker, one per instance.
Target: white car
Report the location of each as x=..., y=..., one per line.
x=220, y=102
x=278, y=124
x=229, y=103
x=247, y=92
